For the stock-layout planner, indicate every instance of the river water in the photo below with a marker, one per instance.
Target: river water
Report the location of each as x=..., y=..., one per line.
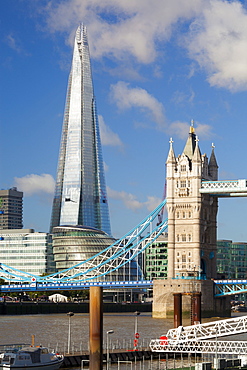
x=52, y=330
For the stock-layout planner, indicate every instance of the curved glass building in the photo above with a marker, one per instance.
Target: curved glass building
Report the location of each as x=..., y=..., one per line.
x=75, y=244
x=80, y=193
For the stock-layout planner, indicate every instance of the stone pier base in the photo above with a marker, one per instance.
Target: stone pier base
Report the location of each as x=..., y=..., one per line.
x=163, y=299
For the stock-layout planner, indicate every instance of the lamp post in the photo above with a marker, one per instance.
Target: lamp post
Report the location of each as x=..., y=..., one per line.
x=216, y=348
x=137, y=313
x=69, y=314
x=107, y=348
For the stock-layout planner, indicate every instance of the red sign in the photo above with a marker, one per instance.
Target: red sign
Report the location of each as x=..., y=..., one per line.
x=163, y=340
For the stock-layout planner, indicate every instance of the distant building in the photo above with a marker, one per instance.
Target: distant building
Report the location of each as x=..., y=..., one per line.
x=80, y=193
x=231, y=259
x=27, y=250
x=156, y=258
x=75, y=244
x=11, y=209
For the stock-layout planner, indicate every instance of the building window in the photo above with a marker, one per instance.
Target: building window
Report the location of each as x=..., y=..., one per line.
x=177, y=237
x=183, y=184
x=183, y=258
x=189, y=237
x=183, y=167
x=177, y=214
x=183, y=237
x=183, y=214
x=190, y=214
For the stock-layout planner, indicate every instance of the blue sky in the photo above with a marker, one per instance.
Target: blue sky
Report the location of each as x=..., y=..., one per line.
x=156, y=65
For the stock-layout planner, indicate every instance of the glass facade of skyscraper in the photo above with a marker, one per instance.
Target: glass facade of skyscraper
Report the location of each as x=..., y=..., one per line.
x=156, y=259
x=80, y=194
x=231, y=259
x=27, y=250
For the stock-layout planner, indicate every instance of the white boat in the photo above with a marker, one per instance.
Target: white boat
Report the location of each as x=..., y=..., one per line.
x=30, y=357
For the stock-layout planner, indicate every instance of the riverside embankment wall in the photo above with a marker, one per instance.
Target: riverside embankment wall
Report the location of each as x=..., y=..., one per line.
x=31, y=308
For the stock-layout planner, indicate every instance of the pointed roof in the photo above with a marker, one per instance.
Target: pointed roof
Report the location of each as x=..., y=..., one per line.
x=191, y=142
x=171, y=155
x=197, y=152
x=212, y=161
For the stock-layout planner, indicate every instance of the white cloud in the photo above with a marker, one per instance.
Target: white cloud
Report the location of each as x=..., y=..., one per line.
x=35, y=184
x=108, y=137
x=218, y=42
x=130, y=201
x=127, y=97
x=106, y=167
x=152, y=203
x=120, y=28
x=11, y=41
x=214, y=32
x=181, y=129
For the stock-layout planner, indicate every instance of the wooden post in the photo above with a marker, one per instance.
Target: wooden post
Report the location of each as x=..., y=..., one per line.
x=96, y=328
x=177, y=309
x=196, y=308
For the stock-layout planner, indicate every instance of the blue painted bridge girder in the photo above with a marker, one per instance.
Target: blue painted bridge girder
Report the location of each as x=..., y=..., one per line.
x=229, y=287
x=221, y=287
x=142, y=284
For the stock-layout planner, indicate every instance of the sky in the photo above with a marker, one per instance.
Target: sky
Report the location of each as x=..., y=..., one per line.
x=156, y=66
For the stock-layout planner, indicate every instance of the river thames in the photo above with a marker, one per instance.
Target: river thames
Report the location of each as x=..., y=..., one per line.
x=52, y=330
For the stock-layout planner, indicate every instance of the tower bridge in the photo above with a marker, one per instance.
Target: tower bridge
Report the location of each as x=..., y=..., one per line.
x=191, y=202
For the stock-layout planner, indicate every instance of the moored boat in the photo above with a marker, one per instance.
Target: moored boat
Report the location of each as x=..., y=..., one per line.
x=30, y=357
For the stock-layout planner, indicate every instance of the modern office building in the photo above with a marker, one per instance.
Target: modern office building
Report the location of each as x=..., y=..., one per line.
x=231, y=259
x=80, y=193
x=156, y=258
x=27, y=250
x=11, y=209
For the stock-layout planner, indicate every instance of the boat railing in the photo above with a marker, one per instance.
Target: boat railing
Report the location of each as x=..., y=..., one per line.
x=12, y=347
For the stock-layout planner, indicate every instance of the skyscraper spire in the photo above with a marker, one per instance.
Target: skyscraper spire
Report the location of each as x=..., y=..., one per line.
x=80, y=194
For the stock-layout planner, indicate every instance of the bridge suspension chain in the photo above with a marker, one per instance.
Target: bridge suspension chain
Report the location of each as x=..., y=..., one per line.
x=115, y=256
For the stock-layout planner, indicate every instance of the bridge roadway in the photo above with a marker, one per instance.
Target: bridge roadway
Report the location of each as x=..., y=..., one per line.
x=75, y=286
x=222, y=287
x=225, y=188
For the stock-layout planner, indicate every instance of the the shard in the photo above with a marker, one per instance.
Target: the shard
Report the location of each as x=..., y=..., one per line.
x=80, y=193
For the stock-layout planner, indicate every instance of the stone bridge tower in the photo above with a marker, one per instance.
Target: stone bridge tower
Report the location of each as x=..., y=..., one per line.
x=192, y=216
x=192, y=231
